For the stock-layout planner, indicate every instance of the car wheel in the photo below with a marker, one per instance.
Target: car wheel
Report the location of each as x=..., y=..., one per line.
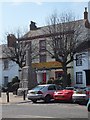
x=34, y=101
x=47, y=99
x=89, y=108
x=73, y=101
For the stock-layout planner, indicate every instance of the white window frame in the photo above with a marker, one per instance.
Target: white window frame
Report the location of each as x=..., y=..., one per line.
x=79, y=60
x=79, y=77
x=5, y=64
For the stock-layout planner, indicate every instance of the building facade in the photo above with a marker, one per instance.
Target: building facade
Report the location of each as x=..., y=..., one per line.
x=44, y=64
x=82, y=67
x=8, y=68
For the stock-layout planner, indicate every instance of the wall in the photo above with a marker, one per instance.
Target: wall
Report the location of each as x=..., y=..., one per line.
x=0, y=72
x=11, y=72
x=81, y=69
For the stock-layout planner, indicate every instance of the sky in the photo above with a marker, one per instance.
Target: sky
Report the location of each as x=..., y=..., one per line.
x=17, y=14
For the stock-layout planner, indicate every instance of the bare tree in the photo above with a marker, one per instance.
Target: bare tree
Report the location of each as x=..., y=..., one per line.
x=16, y=48
x=65, y=35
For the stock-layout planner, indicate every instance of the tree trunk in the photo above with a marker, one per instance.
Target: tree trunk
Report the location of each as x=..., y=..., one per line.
x=64, y=76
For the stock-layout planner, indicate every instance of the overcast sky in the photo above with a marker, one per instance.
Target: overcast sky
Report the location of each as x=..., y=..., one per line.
x=18, y=14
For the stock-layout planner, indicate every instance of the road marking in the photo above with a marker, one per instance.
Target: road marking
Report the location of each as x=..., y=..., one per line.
x=33, y=116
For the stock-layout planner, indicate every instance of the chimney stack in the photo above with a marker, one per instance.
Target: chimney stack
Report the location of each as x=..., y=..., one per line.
x=11, y=40
x=85, y=13
x=33, y=26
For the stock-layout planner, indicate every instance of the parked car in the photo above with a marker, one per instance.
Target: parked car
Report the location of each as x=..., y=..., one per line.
x=42, y=92
x=88, y=105
x=81, y=95
x=70, y=88
x=65, y=94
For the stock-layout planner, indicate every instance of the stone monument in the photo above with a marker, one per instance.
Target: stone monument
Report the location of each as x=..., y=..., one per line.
x=28, y=74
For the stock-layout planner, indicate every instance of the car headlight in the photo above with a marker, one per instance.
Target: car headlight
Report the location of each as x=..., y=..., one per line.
x=55, y=92
x=67, y=93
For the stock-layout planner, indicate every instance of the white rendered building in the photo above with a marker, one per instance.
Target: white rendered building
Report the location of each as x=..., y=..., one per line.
x=8, y=68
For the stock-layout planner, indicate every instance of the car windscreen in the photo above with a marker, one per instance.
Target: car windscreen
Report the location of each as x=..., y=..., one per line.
x=69, y=88
x=81, y=90
x=38, y=88
x=59, y=87
x=88, y=89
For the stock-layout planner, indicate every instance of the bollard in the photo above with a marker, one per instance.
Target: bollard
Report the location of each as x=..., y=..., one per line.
x=24, y=95
x=7, y=93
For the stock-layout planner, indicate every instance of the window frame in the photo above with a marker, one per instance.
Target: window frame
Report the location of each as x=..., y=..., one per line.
x=6, y=78
x=79, y=77
x=79, y=60
x=5, y=64
x=42, y=45
x=52, y=86
x=42, y=58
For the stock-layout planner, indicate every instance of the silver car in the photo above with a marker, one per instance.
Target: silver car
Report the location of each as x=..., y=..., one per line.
x=42, y=92
x=81, y=95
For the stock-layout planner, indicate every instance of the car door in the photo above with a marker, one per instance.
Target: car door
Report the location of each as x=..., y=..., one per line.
x=51, y=90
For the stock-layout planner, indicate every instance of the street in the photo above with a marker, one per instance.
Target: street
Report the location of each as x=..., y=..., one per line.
x=21, y=109
x=43, y=110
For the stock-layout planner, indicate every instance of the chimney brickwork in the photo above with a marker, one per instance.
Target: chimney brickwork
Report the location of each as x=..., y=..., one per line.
x=11, y=40
x=33, y=26
x=85, y=13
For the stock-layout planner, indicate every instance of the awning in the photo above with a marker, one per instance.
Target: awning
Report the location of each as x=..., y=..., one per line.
x=47, y=65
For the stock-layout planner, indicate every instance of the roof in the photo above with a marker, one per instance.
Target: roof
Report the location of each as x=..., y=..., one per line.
x=43, y=31
x=2, y=47
x=0, y=51
x=47, y=65
x=85, y=45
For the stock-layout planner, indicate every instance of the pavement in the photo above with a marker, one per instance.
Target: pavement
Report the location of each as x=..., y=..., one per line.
x=13, y=99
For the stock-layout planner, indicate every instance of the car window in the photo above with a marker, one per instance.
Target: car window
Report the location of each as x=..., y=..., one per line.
x=81, y=90
x=38, y=88
x=87, y=89
x=52, y=87
x=58, y=87
x=69, y=88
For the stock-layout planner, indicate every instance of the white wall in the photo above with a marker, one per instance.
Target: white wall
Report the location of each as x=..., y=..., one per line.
x=0, y=72
x=11, y=72
x=81, y=68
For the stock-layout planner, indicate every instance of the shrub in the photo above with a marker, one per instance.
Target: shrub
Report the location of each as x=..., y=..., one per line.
x=49, y=82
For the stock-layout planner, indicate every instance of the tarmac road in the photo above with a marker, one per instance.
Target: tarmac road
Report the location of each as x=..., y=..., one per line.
x=17, y=108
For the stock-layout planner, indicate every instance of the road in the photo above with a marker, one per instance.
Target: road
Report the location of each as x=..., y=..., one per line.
x=43, y=110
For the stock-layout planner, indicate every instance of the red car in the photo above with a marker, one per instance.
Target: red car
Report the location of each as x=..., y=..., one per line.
x=65, y=94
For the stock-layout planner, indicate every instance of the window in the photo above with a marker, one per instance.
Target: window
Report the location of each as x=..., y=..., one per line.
x=52, y=87
x=79, y=60
x=43, y=58
x=79, y=78
x=42, y=45
x=5, y=81
x=6, y=63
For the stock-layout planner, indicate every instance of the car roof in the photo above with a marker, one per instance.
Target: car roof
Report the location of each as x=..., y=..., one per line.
x=46, y=84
